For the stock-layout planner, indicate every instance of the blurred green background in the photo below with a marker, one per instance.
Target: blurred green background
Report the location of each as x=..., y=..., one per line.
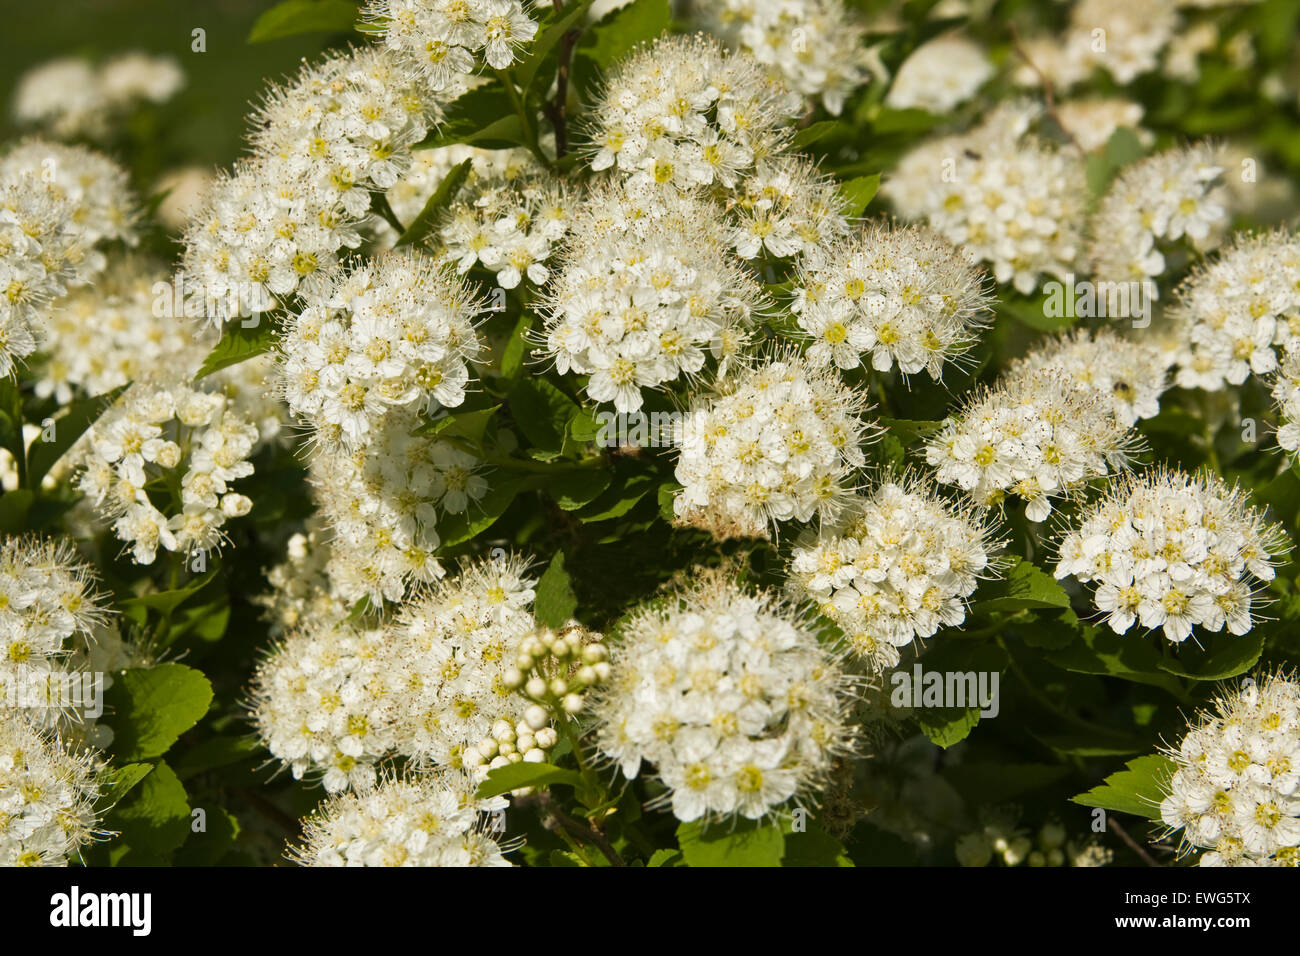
x=205, y=123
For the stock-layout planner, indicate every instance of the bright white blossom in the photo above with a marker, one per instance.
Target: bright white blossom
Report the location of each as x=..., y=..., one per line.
x=443, y=40
x=1233, y=793
x=786, y=208
x=175, y=436
x=778, y=441
x=395, y=332
x=890, y=296
x=1128, y=372
x=1157, y=200
x=1092, y=122
x=940, y=75
x=68, y=97
x=1037, y=436
x=1168, y=550
x=47, y=795
x=816, y=46
x=684, y=113
x=421, y=820
x=729, y=697
x=1001, y=194
x=645, y=293
x=1286, y=394
x=1238, y=311
x=898, y=564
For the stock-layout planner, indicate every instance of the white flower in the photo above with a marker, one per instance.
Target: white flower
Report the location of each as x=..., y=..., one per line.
x=816, y=46
x=1234, y=791
x=1170, y=551
x=644, y=294
x=896, y=565
x=939, y=75
x=773, y=442
x=731, y=699
x=1037, y=436
x=890, y=296
x=419, y=820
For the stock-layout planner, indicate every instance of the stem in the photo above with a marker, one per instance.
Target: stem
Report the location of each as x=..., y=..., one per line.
x=556, y=110
x=1049, y=95
x=379, y=204
x=20, y=446
x=521, y=110
x=1142, y=854
x=573, y=827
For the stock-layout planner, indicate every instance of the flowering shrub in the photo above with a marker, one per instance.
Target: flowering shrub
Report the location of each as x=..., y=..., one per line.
x=634, y=433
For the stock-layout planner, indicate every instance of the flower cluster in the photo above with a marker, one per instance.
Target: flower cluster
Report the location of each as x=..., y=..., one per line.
x=1286, y=393
x=49, y=609
x=645, y=291
x=1122, y=37
x=318, y=701
x=102, y=336
x=425, y=820
x=1164, y=198
x=890, y=295
x=940, y=75
x=391, y=333
x=47, y=796
x=773, y=442
x=70, y=98
x=56, y=203
x=1128, y=372
x=299, y=585
x=1234, y=790
x=1037, y=436
x=1168, y=550
x=510, y=221
x=171, y=444
x=786, y=208
x=1001, y=194
x=336, y=698
x=342, y=129
x=1238, y=310
x=442, y=39
x=685, y=113
x=730, y=697
x=383, y=503
x=894, y=566
x=815, y=46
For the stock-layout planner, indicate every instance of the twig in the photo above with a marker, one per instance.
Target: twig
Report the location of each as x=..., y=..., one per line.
x=269, y=810
x=1143, y=855
x=1049, y=95
x=576, y=828
x=556, y=110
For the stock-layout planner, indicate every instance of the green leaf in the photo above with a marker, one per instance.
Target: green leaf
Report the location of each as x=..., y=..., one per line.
x=14, y=508
x=622, y=30
x=1224, y=655
x=293, y=17
x=483, y=117
x=469, y=425
x=858, y=193
x=555, y=601
x=1122, y=148
x=482, y=514
x=811, y=134
x=516, y=351
x=577, y=489
x=238, y=344
x=442, y=197
x=165, y=602
x=665, y=857
x=68, y=427
x=516, y=775
x=619, y=499
x=742, y=844
x=814, y=847
x=546, y=40
x=214, y=753
x=1099, y=650
x=1137, y=790
x=946, y=726
x=542, y=412
x=152, y=823
x=909, y=431
x=153, y=706
x=117, y=782
x=1025, y=586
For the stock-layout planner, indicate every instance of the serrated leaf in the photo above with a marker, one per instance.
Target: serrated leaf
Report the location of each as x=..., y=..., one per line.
x=516, y=775
x=740, y=844
x=858, y=192
x=1137, y=790
x=151, y=708
x=1025, y=586
x=117, y=782
x=621, y=31
x=419, y=227
x=577, y=489
x=152, y=823
x=619, y=499
x=1128, y=656
x=238, y=344
x=469, y=425
x=293, y=17
x=811, y=134
x=1224, y=655
x=555, y=601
